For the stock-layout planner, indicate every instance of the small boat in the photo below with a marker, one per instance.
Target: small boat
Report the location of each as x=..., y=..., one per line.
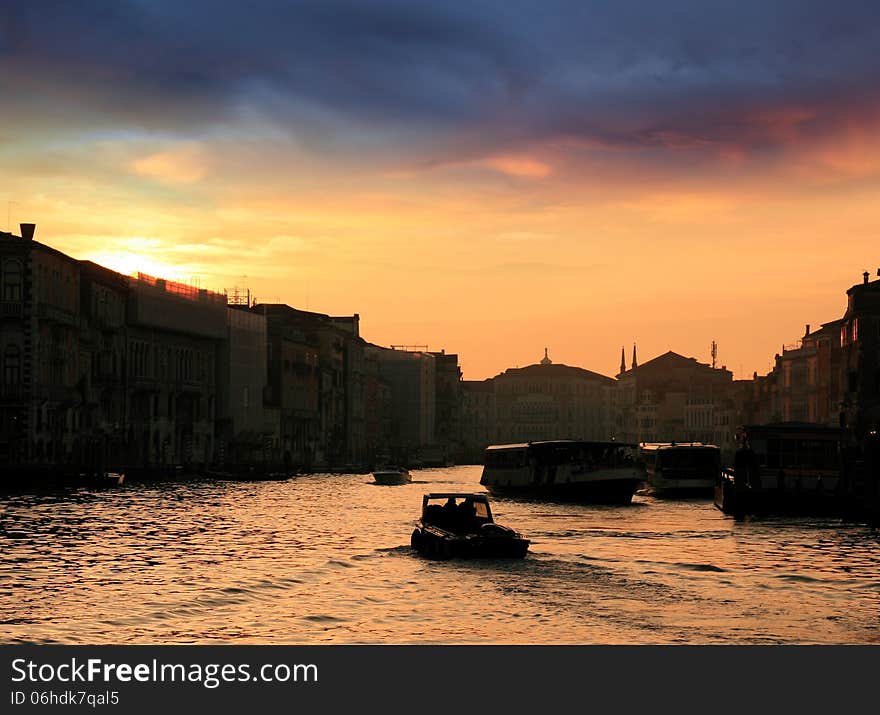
x=392, y=475
x=103, y=480
x=455, y=525
x=114, y=479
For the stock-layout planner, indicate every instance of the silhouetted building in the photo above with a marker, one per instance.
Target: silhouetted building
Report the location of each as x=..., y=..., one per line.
x=536, y=402
x=100, y=369
x=244, y=435
x=860, y=358
x=478, y=418
x=174, y=333
x=40, y=350
x=447, y=407
x=675, y=398
x=411, y=376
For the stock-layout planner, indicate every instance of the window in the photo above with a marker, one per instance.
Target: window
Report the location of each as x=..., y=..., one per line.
x=12, y=281
x=12, y=365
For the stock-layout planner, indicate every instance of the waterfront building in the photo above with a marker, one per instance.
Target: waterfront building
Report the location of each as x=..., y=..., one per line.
x=676, y=398
x=447, y=407
x=100, y=369
x=40, y=351
x=377, y=401
x=859, y=331
x=542, y=401
x=315, y=385
x=103, y=341
x=244, y=434
x=411, y=376
x=550, y=400
x=478, y=418
x=174, y=333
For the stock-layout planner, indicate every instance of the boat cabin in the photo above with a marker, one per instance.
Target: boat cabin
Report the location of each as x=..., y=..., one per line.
x=557, y=452
x=682, y=460
x=455, y=511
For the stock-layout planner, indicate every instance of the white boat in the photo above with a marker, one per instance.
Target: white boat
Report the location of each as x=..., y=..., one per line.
x=568, y=470
x=114, y=479
x=392, y=475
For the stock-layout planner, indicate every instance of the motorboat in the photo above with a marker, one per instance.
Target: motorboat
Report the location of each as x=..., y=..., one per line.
x=392, y=475
x=460, y=525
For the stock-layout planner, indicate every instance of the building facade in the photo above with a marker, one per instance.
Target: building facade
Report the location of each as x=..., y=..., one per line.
x=676, y=398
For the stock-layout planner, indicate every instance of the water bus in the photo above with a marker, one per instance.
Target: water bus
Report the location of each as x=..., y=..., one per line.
x=568, y=470
x=681, y=468
x=787, y=466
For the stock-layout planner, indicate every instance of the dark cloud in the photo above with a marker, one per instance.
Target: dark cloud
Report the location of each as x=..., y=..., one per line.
x=433, y=74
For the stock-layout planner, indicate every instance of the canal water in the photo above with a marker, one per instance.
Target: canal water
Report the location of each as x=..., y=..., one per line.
x=326, y=559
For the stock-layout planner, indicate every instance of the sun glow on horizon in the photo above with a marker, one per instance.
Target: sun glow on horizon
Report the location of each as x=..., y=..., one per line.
x=130, y=264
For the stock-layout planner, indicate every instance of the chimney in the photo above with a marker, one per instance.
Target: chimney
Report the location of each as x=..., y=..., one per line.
x=27, y=231
x=807, y=330
x=864, y=275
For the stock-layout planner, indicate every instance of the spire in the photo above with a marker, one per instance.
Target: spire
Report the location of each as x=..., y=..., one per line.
x=622, y=359
x=546, y=360
x=635, y=362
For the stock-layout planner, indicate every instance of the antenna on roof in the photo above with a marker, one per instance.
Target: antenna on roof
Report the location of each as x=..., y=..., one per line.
x=714, y=354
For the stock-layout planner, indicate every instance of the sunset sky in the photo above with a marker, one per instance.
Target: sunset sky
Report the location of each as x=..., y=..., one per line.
x=486, y=177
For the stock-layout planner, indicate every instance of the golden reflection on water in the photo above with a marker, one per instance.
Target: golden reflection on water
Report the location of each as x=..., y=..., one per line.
x=326, y=559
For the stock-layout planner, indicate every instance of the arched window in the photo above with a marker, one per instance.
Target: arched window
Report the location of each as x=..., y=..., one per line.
x=12, y=365
x=12, y=281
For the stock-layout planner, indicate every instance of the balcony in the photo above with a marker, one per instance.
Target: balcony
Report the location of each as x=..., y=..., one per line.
x=55, y=314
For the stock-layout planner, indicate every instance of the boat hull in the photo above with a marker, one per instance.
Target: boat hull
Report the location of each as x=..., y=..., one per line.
x=392, y=478
x=684, y=488
x=439, y=544
x=798, y=496
x=619, y=491
x=564, y=483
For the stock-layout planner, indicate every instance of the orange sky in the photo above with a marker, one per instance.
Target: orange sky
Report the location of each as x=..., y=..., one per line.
x=492, y=242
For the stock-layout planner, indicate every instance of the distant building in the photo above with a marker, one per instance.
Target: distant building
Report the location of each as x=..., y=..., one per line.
x=536, y=402
x=675, y=398
x=411, y=377
x=551, y=401
x=447, y=407
x=478, y=418
x=315, y=377
x=244, y=435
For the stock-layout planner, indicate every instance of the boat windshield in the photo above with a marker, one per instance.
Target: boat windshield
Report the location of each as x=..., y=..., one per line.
x=457, y=512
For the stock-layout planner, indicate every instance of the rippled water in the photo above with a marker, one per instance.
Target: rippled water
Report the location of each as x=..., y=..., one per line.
x=326, y=558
